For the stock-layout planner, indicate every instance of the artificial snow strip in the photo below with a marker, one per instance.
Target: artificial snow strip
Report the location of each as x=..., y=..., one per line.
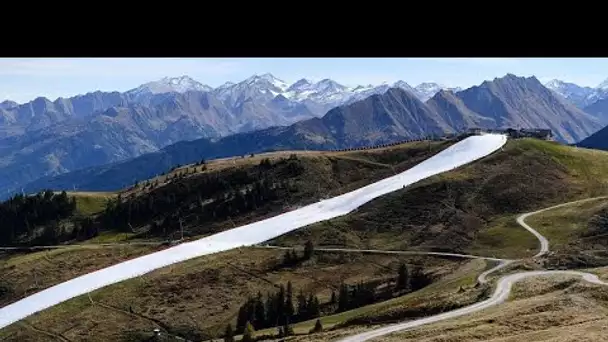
x=461, y=153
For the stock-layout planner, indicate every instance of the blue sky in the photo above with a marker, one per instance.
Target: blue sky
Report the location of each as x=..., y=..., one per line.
x=22, y=80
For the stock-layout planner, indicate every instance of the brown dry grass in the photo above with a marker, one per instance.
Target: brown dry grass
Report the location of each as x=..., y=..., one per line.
x=560, y=309
x=26, y=273
x=199, y=297
x=542, y=309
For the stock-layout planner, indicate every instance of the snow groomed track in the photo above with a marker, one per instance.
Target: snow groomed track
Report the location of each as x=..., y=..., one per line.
x=461, y=153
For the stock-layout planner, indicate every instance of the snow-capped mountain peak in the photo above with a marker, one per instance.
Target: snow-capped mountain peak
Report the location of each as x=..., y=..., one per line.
x=426, y=90
x=428, y=86
x=266, y=80
x=404, y=85
x=225, y=85
x=300, y=85
x=330, y=86
x=266, y=87
x=603, y=85
x=579, y=96
x=179, y=84
x=566, y=88
x=555, y=84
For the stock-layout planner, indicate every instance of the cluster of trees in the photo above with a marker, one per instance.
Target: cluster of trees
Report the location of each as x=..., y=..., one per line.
x=141, y=209
x=291, y=257
x=20, y=215
x=205, y=198
x=362, y=294
x=277, y=309
x=355, y=296
x=84, y=228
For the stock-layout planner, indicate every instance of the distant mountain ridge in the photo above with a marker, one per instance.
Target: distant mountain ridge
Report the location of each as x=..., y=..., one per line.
x=394, y=115
x=580, y=96
x=45, y=138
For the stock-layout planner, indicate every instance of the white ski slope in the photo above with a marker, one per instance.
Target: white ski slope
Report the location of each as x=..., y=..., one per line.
x=461, y=153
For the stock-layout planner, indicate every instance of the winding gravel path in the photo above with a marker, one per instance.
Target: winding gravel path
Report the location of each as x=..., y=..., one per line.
x=503, y=286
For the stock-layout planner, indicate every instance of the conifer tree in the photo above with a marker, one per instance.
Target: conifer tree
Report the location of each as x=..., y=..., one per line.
x=318, y=327
x=402, y=278
x=260, y=312
x=289, y=309
x=241, y=319
x=280, y=305
x=229, y=334
x=302, y=306
x=287, y=258
x=308, y=250
x=313, y=306
x=343, y=298
x=271, y=310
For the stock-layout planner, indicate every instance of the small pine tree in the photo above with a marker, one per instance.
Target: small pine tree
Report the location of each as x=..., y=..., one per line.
x=287, y=329
x=318, y=327
x=287, y=260
x=289, y=308
x=308, y=250
x=343, y=298
x=313, y=306
x=229, y=334
x=333, y=297
x=402, y=278
x=302, y=306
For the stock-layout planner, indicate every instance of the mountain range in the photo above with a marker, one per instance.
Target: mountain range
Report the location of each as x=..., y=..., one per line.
x=586, y=98
x=46, y=138
x=384, y=117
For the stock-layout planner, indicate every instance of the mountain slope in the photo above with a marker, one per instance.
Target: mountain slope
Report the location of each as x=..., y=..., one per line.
x=42, y=112
x=44, y=138
x=579, y=96
x=582, y=97
x=392, y=116
x=598, y=140
x=599, y=109
x=455, y=113
x=516, y=102
x=165, y=85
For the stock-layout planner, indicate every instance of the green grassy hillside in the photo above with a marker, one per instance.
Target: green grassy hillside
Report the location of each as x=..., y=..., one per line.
x=471, y=209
